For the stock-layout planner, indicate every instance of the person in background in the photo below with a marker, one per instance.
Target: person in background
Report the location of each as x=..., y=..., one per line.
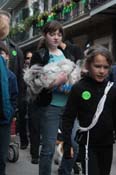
x=112, y=75
x=8, y=98
x=34, y=133
x=96, y=128
x=73, y=52
x=23, y=119
x=13, y=86
x=27, y=59
x=16, y=61
x=16, y=64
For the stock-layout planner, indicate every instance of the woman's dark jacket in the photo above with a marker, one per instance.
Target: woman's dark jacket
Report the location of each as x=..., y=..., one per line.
x=16, y=65
x=102, y=133
x=72, y=52
x=13, y=89
x=41, y=57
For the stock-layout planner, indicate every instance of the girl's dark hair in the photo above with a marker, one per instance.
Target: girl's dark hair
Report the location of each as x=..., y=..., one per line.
x=52, y=26
x=96, y=50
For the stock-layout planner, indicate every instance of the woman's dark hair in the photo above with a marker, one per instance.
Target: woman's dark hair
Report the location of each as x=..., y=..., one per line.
x=96, y=50
x=41, y=43
x=52, y=26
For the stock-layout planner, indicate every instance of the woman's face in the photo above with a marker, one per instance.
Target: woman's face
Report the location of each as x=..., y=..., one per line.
x=99, y=68
x=53, y=39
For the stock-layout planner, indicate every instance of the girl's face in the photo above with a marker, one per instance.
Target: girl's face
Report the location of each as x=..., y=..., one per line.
x=99, y=68
x=53, y=39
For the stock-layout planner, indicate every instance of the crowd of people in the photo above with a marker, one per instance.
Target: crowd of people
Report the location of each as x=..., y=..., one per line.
x=84, y=112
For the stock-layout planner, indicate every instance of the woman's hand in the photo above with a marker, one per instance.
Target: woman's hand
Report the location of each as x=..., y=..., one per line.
x=60, y=79
x=65, y=88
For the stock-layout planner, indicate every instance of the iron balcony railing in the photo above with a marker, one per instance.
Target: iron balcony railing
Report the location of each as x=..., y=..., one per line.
x=80, y=10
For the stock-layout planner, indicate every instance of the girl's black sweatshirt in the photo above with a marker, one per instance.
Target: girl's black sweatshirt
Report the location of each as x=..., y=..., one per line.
x=82, y=103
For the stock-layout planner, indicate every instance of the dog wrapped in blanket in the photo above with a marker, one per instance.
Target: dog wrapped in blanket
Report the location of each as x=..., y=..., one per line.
x=37, y=77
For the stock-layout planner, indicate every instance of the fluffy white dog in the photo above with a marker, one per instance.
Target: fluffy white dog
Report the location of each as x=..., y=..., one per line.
x=38, y=77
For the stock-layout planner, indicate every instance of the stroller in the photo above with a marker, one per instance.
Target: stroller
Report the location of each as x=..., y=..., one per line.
x=13, y=152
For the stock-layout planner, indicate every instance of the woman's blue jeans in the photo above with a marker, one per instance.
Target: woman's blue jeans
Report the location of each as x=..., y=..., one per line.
x=49, y=129
x=4, y=145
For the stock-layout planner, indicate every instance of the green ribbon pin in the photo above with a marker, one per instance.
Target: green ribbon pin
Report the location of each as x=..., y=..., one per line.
x=86, y=95
x=14, y=52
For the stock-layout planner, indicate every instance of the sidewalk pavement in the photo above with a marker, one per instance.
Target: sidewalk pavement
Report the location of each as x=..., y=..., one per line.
x=24, y=167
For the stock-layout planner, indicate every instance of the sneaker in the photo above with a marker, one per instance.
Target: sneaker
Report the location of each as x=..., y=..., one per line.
x=24, y=146
x=77, y=168
x=34, y=161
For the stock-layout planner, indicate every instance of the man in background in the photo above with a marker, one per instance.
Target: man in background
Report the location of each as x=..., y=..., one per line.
x=16, y=63
x=8, y=97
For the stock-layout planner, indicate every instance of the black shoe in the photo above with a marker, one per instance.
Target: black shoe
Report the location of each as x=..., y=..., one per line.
x=34, y=161
x=77, y=168
x=24, y=146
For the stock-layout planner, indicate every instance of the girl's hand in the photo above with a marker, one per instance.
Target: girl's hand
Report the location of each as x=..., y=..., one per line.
x=71, y=152
x=68, y=152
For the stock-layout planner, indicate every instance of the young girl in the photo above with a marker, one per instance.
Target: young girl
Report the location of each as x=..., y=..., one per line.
x=97, y=122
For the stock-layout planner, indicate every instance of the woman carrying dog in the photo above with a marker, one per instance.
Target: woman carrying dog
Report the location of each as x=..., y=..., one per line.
x=50, y=102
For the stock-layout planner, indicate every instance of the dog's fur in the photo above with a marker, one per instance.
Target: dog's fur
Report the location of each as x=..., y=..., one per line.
x=38, y=77
x=77, y=167
x=58, y=152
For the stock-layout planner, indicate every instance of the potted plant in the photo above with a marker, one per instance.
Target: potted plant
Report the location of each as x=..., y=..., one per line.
x=58, y=8
x=76, y=0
